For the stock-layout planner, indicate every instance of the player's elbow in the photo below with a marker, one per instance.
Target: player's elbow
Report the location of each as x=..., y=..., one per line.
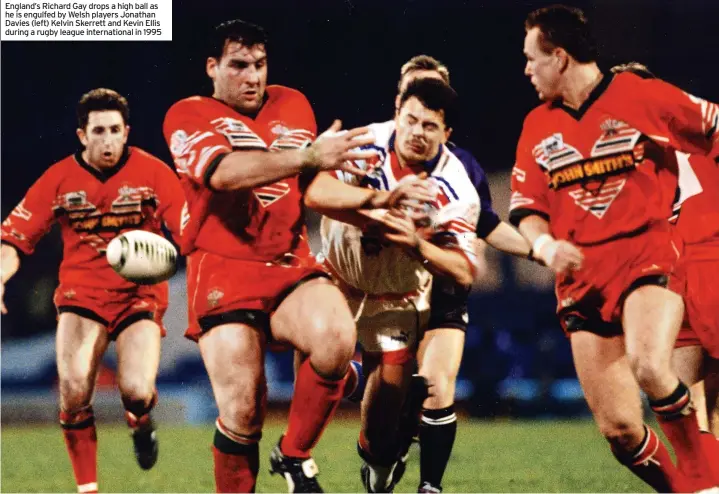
x=464, y=277
x=313, y=197
x=220, y=182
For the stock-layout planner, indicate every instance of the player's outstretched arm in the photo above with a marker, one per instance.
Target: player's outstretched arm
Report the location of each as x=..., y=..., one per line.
x=505, y=238
x=9, y=264
x=332, y=150
x=341, y=201
x=561, y=256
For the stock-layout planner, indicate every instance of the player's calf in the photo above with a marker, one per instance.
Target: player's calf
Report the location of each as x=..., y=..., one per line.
x=237, y=459
x=651, y=462
x=78, y=428
x=144, y=435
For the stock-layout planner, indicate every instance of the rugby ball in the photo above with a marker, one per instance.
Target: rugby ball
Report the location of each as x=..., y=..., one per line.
x=142, y=257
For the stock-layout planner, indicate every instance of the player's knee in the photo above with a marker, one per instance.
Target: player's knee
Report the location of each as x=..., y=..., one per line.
x=244, y=416
x=442, y=388
x=648, y=369
x=622, y=435
x=75, y=393
x=136, y=390
x=333, y=346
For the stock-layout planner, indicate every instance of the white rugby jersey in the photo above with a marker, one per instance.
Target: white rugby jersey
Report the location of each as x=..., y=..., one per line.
x=377, y=267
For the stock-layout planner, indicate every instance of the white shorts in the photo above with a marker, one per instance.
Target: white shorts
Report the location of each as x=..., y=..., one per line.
x=391, y=327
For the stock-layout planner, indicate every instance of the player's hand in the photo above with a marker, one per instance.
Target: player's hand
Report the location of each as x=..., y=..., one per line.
x=3, y=309
x=559, y=255
x=336, y=150
x=411, y=196
x=400, y=229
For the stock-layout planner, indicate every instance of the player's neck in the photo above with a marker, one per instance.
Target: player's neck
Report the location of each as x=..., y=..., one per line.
x=580, y=82
x=85, y=156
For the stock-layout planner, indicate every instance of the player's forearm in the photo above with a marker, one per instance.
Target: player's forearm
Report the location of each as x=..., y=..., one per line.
x=445, y=262
x=9, y=262
x=248, y=169
x=509, y=240
x=532, y=227
x=328, y=196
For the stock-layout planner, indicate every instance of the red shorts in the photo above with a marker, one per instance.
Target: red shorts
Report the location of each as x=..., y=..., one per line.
x=592, y=298
x=114, y=309
x=700, y=268
x=222, y=290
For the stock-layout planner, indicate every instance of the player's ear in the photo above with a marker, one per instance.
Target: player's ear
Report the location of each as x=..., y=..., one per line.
x=125, y=133
x=396, y=103
x=82, y=136
x=447, y=133
x=562, y=58
x=211, y=67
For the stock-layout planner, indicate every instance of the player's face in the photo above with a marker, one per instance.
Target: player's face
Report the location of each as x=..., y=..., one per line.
x=542, y=68
x=104, y=138
x=411, y=76
x=240, y=76
x=420, y=131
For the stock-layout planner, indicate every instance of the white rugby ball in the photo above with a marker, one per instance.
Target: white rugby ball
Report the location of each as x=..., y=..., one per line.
x=142, y=257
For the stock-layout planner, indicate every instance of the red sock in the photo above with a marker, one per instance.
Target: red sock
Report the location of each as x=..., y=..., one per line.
x=313, y=404
x=651, y=463
x=711, y=450
x=81, y=440
x=237, y=460
x=679, y=422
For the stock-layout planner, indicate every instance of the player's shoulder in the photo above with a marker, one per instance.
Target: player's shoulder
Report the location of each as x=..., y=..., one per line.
x=451, y=169
x=192, y=105
x=143, y=158
x=285, y=95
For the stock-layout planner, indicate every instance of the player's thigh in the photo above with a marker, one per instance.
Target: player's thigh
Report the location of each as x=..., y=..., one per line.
x=651, y=318
x=609, y=386
x=234, y=358
x=439, y=356
x=315, y=318
x=384, y=396
x=138, y=357
x=80, y=345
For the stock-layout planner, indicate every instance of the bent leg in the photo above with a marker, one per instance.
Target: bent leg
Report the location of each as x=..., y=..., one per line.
x=316, y=320
x=613, y=396
x=652, y=318
x=138, y=351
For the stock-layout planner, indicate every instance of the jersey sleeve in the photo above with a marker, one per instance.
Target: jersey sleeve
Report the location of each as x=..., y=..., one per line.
x=529, y=185
x=488, y=218
x=669, y=115
x=172, y=200
x=196, y=145
x=32, y=218
x=454, y=228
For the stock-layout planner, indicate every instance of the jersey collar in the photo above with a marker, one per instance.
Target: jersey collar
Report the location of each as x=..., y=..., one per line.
x=103, y=175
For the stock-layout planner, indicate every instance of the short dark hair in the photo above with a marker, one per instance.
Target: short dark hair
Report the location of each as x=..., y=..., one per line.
x=435, y=95
x=235, y=30
x=564, y=27
x=101, y=99
x=423, y=62
x=635, y=68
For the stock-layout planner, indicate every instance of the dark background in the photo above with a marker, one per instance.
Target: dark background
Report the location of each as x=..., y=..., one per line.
x=345, y=56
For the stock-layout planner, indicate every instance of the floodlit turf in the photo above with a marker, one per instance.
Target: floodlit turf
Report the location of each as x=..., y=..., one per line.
x=506, y=456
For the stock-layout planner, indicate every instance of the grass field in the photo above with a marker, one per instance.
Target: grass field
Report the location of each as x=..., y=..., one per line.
x=489, y=456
